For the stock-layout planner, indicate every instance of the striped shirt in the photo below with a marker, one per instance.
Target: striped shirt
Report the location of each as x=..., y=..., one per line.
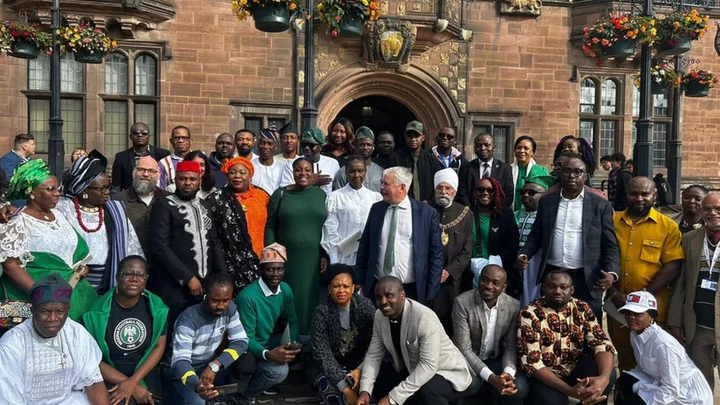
x=198, y=334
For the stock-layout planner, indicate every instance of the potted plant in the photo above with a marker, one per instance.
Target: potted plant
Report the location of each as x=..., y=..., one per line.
x=346, y=18
x=677, y=29
x=269, y=15
x=88, y=43
x=616, y=35
x=697, y=83
x=23, y=40
x=662, y=77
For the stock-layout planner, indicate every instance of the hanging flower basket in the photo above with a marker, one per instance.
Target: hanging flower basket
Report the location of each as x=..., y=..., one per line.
x=696, y=89
x=662, y=78
x=346, y=18
x=88, y=43
x=697, y=83
x=23, y=40
x=672, y=48
x=676, y=30
x=269, y=15
x=616, y=36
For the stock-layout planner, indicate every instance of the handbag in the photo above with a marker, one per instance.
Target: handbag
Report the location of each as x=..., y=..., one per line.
x=12, y=312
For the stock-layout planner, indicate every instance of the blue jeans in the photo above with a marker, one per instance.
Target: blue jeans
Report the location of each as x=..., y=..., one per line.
x=238, y=372
x=268, y=373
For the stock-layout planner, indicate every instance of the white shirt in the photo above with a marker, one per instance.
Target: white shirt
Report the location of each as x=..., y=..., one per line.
x=267, y=177
x=491, y=315
x=347, y=212
x=566, y=247
x=403, y=268
x=666, y=373
x=266, y=290
x=325, y=165
x=482, y=166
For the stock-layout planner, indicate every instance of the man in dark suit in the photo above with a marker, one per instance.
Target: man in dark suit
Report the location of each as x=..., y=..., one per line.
x=575, y=230
x=422, y=163
x=125, y=161
x=401, y=239
x=485, y=165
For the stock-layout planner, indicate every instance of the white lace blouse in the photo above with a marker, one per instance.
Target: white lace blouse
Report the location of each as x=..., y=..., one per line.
x=24, y=234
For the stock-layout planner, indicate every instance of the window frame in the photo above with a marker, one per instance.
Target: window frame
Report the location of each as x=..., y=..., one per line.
x=664, y=119
x=597, y=117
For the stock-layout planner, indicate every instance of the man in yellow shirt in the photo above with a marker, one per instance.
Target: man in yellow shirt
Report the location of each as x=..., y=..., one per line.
x=650, y=257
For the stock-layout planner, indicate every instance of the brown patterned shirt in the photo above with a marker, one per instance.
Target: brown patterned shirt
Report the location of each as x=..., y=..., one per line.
x=547, y=338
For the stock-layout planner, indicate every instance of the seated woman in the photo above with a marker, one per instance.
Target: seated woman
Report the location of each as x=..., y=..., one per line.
x=40, y=240
x=130, y=326
x=340, y=335
x=664, y=374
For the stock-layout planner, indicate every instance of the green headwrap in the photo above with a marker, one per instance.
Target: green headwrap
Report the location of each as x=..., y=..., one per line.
x=27, y=177
x=542, y=181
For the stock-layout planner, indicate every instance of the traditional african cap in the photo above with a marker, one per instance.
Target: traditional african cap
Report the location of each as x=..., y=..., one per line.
x=238, y=161
x=542, y=181
x=188, y=166
x=268, y=133
x=28, y=176
x=313, y=135
x=364, y=132
x=82, y=172
x=448, y=176
x=51, y=288
x=288, y=128
x=275, y=253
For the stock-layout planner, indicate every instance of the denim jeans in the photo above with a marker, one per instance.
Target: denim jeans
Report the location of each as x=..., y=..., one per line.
x=238, y=372
x=267, y=373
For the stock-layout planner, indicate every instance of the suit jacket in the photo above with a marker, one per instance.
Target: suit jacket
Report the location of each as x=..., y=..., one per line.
x=470, y=174
x=427, y=249
x=124, y=164
x=428, y=165
x=470, y=329
x=9, y=162
x=682, y=311
x=600, y=246
x=426, y=351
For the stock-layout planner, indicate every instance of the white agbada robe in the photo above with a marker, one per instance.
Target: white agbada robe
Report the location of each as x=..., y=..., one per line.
x=325, y=165
x=55, y=371
x=347, y=212
x=268, y=177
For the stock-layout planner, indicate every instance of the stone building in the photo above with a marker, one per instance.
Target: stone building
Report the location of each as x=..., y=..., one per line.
x=510, y=67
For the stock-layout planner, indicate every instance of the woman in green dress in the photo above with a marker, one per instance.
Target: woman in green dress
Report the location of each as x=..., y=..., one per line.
x=39, y=240
x=525, y=166
x=295, y=218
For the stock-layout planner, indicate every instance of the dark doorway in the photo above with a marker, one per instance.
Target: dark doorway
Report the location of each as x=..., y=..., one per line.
x=380, y=114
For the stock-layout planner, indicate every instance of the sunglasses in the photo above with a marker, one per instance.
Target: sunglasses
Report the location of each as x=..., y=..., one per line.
x=303, y=145
x=443, y=135
x=531, y=193
x=140, y=132
x=482, y=190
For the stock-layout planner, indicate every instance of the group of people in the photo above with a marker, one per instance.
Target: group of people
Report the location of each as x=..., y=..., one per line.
x=392, y=276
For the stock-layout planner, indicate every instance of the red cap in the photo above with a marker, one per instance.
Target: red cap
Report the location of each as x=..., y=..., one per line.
x=188, y=166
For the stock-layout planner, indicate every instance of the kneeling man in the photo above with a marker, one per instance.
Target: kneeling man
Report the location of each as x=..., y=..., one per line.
x=425, y=363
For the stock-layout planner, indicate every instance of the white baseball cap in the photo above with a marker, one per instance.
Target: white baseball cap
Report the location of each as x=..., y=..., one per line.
x=639, y=302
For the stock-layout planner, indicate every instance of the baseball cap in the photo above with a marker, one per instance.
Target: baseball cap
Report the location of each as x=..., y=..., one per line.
x=415, y=126
x=639, y=302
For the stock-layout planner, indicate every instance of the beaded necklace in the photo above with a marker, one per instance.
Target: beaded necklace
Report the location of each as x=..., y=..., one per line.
x=101, y=217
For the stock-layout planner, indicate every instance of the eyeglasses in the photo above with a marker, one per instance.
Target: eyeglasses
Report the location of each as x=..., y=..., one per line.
x=443, y=135
x=101, y=190
x=140, y=132
x=444, y=188
x=181, y=138
x=142, y=170
x=128, y=276
x=52, y=190
x=482, y=190
x=567, y=172
x=531, y=193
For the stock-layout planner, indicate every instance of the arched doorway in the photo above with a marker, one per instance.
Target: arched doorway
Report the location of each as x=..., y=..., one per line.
x=379, y=113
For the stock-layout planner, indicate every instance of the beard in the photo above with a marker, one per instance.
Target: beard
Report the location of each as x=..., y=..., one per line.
x=185, y=196
x=143, y=187
x=444, y=201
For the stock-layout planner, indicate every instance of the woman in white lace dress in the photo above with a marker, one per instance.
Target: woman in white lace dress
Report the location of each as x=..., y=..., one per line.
x=39, y=240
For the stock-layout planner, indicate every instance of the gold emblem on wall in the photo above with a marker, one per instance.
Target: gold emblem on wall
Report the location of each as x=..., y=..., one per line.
x=391, y=43
x=521, y=7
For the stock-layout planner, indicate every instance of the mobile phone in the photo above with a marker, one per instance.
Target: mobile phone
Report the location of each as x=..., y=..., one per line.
x=295, y=346
x=350, y=381
x=226, y=389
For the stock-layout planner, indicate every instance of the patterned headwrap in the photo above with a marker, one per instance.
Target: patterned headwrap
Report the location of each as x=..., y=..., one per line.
x=275, y=253
x=313, y=135
x=51, y=288
x=269, y=133
x=543, y=181
x=81, y=174
x=238, y=161
x=28, y=176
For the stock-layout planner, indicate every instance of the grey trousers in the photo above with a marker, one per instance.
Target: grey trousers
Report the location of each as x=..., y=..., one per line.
x=703, y=351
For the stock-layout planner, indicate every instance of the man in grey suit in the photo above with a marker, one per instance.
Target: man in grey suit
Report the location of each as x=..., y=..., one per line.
x=425, y=364
x=484, y=325
x=576, y=233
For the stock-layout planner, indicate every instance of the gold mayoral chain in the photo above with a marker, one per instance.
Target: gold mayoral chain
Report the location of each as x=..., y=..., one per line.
x=444, y=237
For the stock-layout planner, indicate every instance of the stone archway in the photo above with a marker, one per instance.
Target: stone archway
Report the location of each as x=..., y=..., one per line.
x=419, y=91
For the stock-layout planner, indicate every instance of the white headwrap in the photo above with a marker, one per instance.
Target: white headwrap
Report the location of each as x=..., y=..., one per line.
x=447, y=176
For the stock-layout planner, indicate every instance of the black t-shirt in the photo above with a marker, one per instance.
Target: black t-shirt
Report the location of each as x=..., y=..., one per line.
x=129, y=334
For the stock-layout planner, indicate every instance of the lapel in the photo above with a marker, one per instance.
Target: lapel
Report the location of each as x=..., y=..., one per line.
x=587, y=215
x=387, y=338
x=480, y=311
x=693, y=254
x=553, y=204
x=377, y=221
x=501, y=310
x=416, y=224
x=404, y=324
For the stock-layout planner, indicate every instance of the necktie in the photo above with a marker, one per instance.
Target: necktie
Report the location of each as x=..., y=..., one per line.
x=486, y=170
x=389, y=261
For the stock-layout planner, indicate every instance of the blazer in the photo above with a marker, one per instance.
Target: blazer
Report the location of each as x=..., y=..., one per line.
x=124, y=164
x=470, y=174
x=9, y=162
x=427, y=249
x=600, y=246
x=426, y=351
x=470, y=329
x=681, y=312
x=428, y=165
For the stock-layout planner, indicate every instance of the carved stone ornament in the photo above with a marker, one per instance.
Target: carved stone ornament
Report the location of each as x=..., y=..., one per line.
x=521, y=7
x=388, y=45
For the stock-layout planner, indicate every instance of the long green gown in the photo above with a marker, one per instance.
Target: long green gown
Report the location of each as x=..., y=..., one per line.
x=296, y=223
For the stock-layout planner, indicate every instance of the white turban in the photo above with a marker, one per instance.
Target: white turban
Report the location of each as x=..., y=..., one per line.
x=447, y=176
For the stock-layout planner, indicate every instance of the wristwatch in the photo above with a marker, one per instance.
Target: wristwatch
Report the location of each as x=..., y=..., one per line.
x=214, y=367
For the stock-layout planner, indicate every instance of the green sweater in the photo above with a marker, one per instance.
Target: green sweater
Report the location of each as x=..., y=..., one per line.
x=259, y=314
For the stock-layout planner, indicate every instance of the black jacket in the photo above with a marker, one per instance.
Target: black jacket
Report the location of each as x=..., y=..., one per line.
x=428, y=165
x=470, y=174
x=124, y=164
x=503, y=241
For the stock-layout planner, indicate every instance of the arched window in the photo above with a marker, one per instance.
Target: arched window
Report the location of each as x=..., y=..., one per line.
x=587, y=96
x=661, y=123
x=608, y=104
x=116, y=74
x=145, y=73
x=600, y=113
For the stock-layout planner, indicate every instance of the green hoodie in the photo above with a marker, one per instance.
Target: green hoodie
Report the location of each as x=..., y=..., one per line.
x=96, y=322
